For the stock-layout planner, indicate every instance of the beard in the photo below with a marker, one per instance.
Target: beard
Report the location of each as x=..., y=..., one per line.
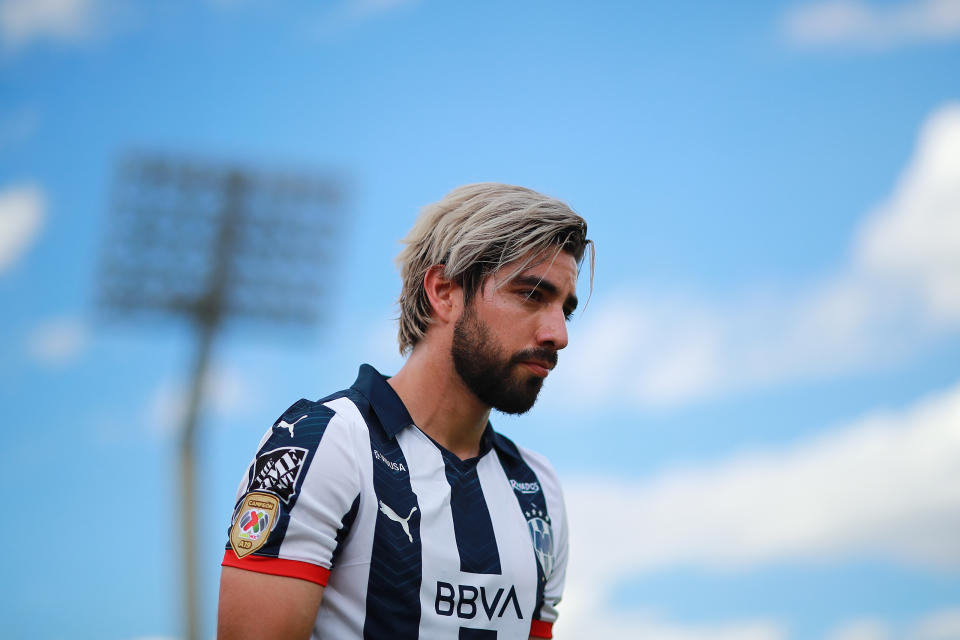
x=481, y=364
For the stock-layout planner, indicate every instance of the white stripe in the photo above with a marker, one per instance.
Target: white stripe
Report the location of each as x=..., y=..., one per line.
x=344, y=606
x=517, y=560
x=438, y=541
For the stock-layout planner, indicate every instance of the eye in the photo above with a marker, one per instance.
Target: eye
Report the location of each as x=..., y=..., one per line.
x=532, y=294
x=568, y=315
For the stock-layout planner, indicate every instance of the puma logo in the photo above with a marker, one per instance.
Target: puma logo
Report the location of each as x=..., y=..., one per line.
x=286, y=425
x=404, y=522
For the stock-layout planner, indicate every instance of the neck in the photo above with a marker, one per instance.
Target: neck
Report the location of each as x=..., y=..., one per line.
x=439, y=402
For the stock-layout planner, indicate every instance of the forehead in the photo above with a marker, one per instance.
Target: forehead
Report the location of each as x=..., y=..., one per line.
x=559, y=268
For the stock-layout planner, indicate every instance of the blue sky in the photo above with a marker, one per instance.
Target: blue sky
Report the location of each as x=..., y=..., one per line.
x=758, y=418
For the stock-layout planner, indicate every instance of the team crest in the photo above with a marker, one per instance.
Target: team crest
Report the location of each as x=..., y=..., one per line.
x=277, y=471
x=541, y=533
x=255, y=518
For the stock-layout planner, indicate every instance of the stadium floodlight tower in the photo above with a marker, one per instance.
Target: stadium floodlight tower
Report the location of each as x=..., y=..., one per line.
x=211, y=243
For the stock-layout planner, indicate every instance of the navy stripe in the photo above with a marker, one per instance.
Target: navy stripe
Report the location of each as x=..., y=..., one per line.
x=311, y=420
x=477, y=634
x=396, y=564
x=529, y=493
x=472, y=525
x=346, y=524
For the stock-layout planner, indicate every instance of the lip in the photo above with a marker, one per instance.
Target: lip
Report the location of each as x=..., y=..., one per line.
x=537, y=368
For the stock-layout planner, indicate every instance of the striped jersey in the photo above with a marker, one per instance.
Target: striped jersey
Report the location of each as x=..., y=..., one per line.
x=408, y=540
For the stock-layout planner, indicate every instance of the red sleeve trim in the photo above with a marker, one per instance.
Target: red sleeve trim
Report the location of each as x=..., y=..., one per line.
x=278, y=567
x=541, y=629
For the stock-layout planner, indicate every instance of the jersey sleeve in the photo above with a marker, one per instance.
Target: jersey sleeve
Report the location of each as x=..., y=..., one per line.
x=553, y=590
x=298, y=499
x=546, y=614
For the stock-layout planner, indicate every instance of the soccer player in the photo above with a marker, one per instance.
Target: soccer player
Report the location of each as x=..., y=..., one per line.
x=392, y=509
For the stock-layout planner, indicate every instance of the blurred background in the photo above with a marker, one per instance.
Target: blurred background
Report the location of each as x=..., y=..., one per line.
x=758, y=418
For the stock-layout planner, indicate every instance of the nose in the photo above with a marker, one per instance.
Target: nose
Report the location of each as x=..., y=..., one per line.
x=553, y=329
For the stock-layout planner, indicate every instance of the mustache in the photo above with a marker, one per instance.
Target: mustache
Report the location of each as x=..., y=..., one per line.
x=542, y=354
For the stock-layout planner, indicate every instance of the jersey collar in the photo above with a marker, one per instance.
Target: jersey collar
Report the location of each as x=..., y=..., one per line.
x=385, y=402
x=393, y=415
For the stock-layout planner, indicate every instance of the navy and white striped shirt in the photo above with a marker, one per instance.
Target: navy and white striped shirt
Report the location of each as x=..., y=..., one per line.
x=409, y=540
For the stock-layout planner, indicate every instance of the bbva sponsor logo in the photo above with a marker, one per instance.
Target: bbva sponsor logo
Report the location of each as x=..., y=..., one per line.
x=463, y=600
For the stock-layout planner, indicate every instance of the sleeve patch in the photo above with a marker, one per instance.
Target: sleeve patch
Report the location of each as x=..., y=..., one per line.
x=255, y=519
x=277, y=471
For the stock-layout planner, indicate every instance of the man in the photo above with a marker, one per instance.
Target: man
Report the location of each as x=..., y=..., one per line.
x=392, y=509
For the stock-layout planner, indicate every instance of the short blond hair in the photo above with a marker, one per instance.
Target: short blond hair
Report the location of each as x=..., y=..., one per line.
x=473, y=231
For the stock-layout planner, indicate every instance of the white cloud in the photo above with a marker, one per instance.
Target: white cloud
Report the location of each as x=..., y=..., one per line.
x=898, y=292
x=858, y=24
x=913, y=240
x=649, y=626
x=228, y=395
x=939, y=625
x=942, y=625
x=58, y=341
x=882, y=487
x=25, y=21
x=22, y=210
x=866, y=629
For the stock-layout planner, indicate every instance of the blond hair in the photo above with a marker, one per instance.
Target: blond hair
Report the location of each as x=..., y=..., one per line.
x=473, y=232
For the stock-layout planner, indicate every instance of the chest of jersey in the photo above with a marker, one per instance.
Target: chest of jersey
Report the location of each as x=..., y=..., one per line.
x=441, y=548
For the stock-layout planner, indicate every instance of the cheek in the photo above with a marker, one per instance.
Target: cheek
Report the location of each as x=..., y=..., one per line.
x=508, y=319
x=511, y=329
x=493, y=308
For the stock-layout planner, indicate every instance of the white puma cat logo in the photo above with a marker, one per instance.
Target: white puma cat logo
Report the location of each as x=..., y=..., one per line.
x=286, y=425
x=404, y=522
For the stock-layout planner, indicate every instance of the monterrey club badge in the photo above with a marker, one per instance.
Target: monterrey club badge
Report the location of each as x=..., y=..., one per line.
x=542, y=534
x=255, y=518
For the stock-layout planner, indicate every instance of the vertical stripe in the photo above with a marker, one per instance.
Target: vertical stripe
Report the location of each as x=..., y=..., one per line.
x=533, y=504
x=440, y=558
x=343, y=609
x=346, y=524
x=476, y=542
x=393, y=589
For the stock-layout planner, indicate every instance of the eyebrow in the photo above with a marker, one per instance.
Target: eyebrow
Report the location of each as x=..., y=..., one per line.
x=534, y=282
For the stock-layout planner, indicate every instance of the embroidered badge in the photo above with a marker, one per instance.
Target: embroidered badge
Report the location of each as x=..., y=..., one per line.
x=255, y=519
x=541, y=533
x=277, y=471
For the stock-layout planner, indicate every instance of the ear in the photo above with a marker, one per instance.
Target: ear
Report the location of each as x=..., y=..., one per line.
x=446, y=296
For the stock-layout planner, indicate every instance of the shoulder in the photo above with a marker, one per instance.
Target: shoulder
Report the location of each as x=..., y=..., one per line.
x=312, y=419
x=315, y=446
x=537, y=462
x=304, y=430
x=546, y=476
x=538, y=468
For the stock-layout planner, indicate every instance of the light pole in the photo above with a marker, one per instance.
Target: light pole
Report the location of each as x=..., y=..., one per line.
x=212, y=243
